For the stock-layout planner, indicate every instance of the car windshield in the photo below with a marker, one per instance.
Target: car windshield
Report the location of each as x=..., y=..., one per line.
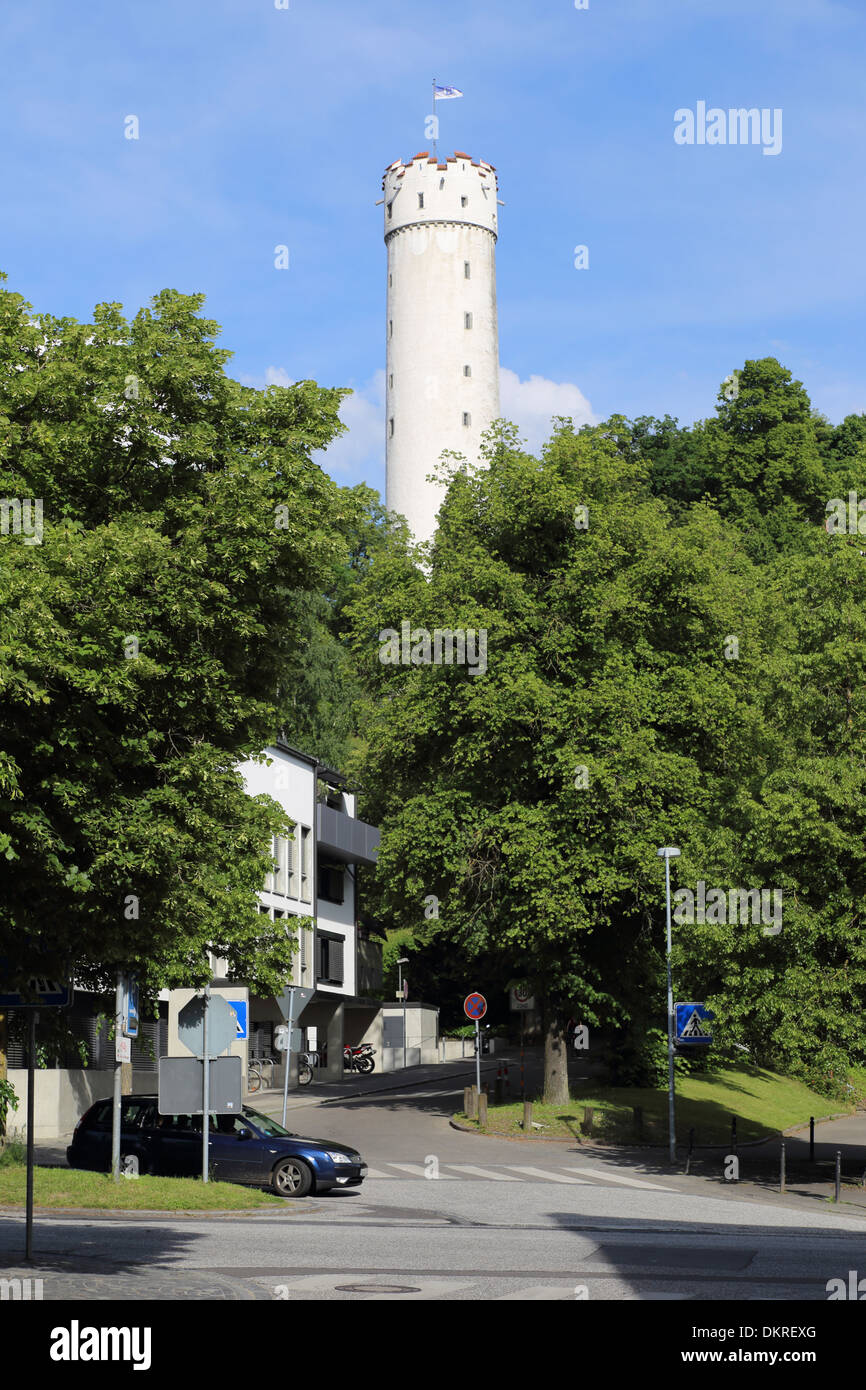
x=266, y=1124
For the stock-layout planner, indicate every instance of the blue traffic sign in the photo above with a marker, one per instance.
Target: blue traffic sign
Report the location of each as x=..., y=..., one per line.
x=693, y=1024
x=39, y=994
x=475, y=1006
x=130, y=1008
x=240, y=1008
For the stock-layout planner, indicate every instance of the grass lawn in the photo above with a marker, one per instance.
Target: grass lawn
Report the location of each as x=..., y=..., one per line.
x=763, y=1103
x=74, y=1187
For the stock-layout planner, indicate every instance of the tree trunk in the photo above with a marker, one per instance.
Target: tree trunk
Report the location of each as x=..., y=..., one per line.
x=555, y=1062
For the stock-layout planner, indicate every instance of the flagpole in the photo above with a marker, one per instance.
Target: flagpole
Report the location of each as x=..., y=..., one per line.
x=434, y=120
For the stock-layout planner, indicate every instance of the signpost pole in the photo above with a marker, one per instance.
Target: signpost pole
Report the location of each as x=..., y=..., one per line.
x=290, y=1021
x=205, y=1115
x=31, y=1111
x=671, y=1104
x=118, y=1079
x=477, y=1056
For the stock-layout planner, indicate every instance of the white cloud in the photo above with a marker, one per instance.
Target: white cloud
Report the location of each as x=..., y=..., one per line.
x=359, y=455
x=531, y=404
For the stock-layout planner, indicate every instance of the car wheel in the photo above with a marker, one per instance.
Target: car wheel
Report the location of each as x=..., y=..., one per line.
x=291, y=1178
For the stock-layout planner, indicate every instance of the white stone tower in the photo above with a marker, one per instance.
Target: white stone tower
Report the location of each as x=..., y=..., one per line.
x=442, y=362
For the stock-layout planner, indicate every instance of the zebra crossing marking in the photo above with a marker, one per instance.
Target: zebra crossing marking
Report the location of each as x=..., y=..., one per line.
x=416, y=1170
x=619, y=1180
x=548, y=1175
x=470, y=1170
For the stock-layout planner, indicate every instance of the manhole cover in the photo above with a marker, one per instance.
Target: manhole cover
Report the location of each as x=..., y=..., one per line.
x=375, y=1288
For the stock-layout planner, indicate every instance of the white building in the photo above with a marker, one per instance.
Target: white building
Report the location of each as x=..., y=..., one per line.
x=316, y=879
x=442, y=363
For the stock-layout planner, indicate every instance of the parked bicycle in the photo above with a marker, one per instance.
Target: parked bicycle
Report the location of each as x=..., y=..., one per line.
x=306, y=1062
x=256, y=1075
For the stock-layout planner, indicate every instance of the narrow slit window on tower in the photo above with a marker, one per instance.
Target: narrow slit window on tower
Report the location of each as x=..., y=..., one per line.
x=467, y=418
x=390, y=328
x=464, y=202
x=420, y=200
x=391, y=427
x=391, y=381
x=466, y=270
x=390, y=280
x=467, y=370
x=467, y=320
x=390, y=210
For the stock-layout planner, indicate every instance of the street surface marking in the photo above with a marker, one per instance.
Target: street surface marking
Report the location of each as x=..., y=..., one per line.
x=471, y=1171
x=548, y=1176
x=615, y=1178
x=415, y=1170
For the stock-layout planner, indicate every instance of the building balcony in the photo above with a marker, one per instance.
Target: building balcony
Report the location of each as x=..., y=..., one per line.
x=345, y=838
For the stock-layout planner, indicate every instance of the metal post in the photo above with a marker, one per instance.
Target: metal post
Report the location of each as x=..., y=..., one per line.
x=812, y=1139
x=477, y=1057
x=288, y=1053
x=205, y=1072
x=838, y=1175
x=118, y=1079
x=671, y=1115
x=782, y=1169
x=31, y=1113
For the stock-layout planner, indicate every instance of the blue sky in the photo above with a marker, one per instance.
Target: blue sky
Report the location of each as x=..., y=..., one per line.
x=262, y=126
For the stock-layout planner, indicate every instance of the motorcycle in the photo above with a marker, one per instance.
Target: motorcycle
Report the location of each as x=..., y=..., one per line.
x=359, y=1059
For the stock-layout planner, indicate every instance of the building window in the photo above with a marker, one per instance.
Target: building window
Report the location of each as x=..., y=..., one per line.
x=390, y=210
x=467, y=320
x=467, y=418
x=306, y=869
x=420, y=200
x=284, y=880
x=391, y=382
x=332, y=885
x=466, y=272
x=390, y=328
x=391, y=427
x=329, y=962
x=464, y=202
x=281, y=877
x=390, y=280
x=467, y=370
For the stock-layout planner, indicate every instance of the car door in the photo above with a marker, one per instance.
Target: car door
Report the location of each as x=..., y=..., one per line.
x=237, y=1152
x=177, y=1145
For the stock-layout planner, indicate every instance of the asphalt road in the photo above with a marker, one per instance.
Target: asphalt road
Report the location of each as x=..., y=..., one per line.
x=451, y=1216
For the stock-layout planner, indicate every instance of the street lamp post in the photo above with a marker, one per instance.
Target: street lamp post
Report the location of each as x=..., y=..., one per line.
x=404, y=960
x=668, y=853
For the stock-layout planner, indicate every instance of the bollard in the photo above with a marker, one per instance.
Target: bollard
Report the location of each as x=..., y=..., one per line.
x=812, y=1139
x=587, y=1119
x=507, y=1082
x=782, y=1169
x=472, y=1106
x=527, y=1117
x=691, y=1146
x=482, y=1111
x=838, y=1175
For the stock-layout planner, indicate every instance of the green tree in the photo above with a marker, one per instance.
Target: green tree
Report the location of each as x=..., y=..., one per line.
x=145, y=638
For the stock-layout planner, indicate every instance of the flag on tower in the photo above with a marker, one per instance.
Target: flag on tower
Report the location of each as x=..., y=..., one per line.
x=443, y=93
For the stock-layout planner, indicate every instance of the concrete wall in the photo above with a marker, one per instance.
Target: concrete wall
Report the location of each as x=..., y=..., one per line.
x=62, y=1096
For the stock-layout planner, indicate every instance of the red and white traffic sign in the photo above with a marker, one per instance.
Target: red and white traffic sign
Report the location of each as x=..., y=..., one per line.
x=475, y=1006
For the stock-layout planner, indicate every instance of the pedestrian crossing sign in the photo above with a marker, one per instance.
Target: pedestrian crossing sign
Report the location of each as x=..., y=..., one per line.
x=693, y=1024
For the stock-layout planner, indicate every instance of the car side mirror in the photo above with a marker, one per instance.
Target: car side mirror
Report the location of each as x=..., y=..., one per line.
x=245, y=1134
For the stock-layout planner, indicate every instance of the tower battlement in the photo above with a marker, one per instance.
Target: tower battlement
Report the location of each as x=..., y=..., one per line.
x=428, y=190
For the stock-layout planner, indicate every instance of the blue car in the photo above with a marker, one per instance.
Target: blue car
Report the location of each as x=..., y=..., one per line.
x=248, y=1148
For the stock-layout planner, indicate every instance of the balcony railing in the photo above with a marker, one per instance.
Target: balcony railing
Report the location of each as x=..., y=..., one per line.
x=345, y=838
